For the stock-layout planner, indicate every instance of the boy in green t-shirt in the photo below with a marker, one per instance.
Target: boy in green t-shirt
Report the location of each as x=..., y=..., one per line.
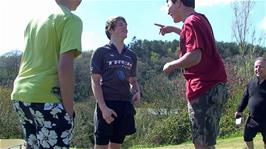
x=43, y=90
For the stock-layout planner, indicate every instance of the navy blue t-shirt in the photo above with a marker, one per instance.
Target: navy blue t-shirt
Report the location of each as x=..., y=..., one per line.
x=115, y=69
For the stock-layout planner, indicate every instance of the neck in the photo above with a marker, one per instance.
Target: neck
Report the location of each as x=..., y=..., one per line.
x=261, y=79
x=63, y=3
x=187, y=12
x=119, y=44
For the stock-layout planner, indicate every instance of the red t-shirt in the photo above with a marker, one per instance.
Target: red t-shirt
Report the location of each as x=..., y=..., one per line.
x=197, y=33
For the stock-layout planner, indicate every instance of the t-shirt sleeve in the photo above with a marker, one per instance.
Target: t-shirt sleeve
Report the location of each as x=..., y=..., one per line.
x=71, y=36
x=193, y=36
x=96, y=62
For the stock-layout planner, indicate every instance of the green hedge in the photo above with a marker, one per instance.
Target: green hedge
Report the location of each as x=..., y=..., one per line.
x=174, y=129
x=9, y=123
x=10, y=127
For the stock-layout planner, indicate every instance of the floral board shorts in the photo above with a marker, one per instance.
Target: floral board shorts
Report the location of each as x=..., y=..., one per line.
x=45, y=125
x=205, y=114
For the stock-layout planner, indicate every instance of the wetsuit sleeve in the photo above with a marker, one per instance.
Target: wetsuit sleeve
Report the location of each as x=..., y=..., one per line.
x=244, y=101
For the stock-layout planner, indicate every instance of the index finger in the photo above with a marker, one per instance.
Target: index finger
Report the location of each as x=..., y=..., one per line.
x=114, y=114
x=160, y=25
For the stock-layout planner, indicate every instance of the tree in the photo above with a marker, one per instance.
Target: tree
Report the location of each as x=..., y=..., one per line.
x=9, y=66
x=244, y=33
x=82, y=76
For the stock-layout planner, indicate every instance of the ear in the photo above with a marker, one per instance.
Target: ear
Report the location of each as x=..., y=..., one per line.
x=111, y=31
x=178, y=3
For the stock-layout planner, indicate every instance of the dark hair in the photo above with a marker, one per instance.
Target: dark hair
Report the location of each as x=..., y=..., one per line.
x=111, y=23
x=260, y=59
x=188, y=3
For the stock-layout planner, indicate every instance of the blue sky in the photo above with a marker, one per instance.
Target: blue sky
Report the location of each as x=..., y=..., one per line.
x=140, y=16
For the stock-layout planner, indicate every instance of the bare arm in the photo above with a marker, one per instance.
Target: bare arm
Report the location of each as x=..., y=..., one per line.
x=186, y=61
x=107, y=113
x=66, y=80
x=97, y=90
x=135, y=90
x=168, y=29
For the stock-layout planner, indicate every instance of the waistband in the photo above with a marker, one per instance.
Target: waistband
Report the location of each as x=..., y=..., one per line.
x=42, y=106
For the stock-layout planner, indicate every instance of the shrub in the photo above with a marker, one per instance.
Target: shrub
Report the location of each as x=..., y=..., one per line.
x=236, y=83
x=174, y=129
x=9, y=123
x=10, y=128
x=83, y=133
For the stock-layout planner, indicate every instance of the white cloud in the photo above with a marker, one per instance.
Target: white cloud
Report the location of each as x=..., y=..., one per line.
x=207, y=3
x=204, y=3
x=164, y=8
x=263, y=23
x=15, y=15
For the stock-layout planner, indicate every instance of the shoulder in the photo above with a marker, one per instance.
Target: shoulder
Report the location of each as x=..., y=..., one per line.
x=131, y=53
x=195, y=19
x=72, y=18
x=75, y=17
x=198, y=24
x=66, y=15
x=252, y=81
x=106, y=47
x=103, y=49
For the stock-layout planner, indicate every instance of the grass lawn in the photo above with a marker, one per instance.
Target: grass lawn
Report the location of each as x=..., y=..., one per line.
x=230, y=143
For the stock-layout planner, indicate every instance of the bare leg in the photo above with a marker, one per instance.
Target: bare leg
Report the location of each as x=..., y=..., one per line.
x=100, y=146
x=199, y=146
x=250, y=145
x=114, y=146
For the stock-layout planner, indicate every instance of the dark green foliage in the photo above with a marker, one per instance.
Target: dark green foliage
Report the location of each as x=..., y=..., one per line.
x=82, y=76
x=174, y=129
x=163, y=93
x=9, y=123
x=236, y=86
x=227, y=49
x=162, y=116
x=9, y=66
x=83, y=133
x=11, y=128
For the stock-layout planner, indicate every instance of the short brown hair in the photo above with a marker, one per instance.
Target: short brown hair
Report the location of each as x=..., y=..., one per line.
x=110, y=24
x=188, y=3
x=260, y=59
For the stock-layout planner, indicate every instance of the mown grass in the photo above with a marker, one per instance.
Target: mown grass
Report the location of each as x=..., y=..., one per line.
x=229, y=143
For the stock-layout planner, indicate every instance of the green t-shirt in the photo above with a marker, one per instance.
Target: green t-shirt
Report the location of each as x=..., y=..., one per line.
x=46, y=37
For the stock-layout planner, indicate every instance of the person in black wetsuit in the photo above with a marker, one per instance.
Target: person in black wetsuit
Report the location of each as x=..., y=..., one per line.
x=115, y=87
x=255, y=98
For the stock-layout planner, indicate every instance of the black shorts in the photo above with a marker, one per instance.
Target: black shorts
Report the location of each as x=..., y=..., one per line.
x=252, y=128
x=124, y=123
